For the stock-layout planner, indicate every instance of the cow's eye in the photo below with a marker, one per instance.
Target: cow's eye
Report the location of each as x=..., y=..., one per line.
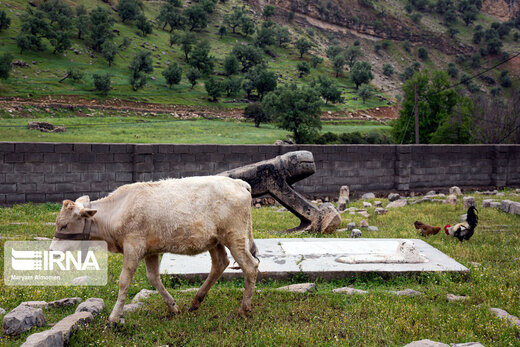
x=63, y=227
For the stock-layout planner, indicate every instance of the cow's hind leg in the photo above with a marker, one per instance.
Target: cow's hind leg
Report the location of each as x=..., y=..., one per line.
x=130, y=261
x=249, y=266
x=219, y=263
x=152, y=271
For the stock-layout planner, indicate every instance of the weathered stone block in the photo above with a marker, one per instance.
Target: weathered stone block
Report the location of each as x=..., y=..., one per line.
x=23, y=318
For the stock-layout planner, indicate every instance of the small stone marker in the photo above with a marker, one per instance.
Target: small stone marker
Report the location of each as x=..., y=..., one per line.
x=355, y=234
x=366, y=204
x=189, y=290
x=468, y=202
x=455, y=191
x=378, y=203
x=380, y=211
x=351, y=226
x=23, y=318
x=34, y=304
x=133, y=307
x=373, y=228
x=143, y=294
x=514, y=208
x=430, y=193
x=397, y=203
x=92, y=305
x=299, y=288
x=367, y=196
x=65, y=302
x=364, y=214
x=2, y=311
x=406, y=292
x=453, y=297
x=487, y=202
x=48, y=338
x=349, y=291
x=344, y=198
x=68, y=324
x=393, y=197
x=495, y=204
x=506, y=316
x=363, y=224
x=426, y=343
x=451, y=199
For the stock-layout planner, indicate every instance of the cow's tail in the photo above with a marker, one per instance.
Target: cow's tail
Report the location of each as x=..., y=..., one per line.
x=252, y=245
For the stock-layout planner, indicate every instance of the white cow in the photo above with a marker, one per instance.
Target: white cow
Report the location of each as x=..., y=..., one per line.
x=182, y=216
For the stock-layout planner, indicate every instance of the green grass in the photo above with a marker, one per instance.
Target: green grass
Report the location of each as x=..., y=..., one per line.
x=318, y=318
x=118, y=127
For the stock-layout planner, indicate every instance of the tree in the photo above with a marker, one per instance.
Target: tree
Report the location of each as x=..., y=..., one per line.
x=61, y=41
x=333, y=51
x=365, y=92
x=74, y=74
x=361, y=73
x=303, y=46
x=407, y=46
x=315, y=61
x=295, y=109
x=247, y=26
x=58, y=12
x=201, y=59
x=143, y=24
x=304, y=68
x=435, y=107
x=34, y=28
x=5, y=21
x=232, y=85
x=493, y=45
x=352, y=54
x=5, y=65
x=187, y=42
x=475, y=61
x=102, y=83
x=172, y=74
x=213, y=88
x=477, y=36
x=260, y=79
x=388, y=70
x=265, y=36
x=329, y=90
x=222, y=30
x=254, y=111
x=422, y=53
x=109, y=51
x=468, y=12
x=193, y=75
x=140, y=66
x=268, y=11
x=248, y=56
x=453, y=72
x=196, y=17
x=82, y=24
x=171, y=15
x=338, y=63
x=505, y=80
x=282, y=35
x=235, y=18
x=128, y=9
x=452, y=31
x=101, y=27
x=230, y=65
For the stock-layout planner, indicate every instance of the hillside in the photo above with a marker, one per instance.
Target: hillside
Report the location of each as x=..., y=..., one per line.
x=369, y=24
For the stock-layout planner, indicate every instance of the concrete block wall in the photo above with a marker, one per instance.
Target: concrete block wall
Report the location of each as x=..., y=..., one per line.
x=41, y=172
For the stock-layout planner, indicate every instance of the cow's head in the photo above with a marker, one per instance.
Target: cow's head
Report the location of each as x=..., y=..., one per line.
x=72, y=217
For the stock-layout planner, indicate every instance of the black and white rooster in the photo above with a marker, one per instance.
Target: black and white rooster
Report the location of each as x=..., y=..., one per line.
x=464, y=231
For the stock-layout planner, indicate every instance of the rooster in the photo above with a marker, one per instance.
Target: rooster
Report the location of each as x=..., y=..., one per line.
x=464, y=231
x=426, y=229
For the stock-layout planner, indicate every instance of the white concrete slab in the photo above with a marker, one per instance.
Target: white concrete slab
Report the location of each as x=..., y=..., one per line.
x=325, y=258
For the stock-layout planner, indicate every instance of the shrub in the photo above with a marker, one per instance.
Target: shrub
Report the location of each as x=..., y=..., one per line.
x=255, y=112
x=422, y=53
x=102, y=83
x=388, y=69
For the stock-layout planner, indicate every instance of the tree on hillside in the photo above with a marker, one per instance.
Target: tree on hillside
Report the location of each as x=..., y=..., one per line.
x=235, y=18
x=352, y=54
x=268, y=11
x=101, y=27
x=422, y=53
x=143, y=24
x=140, y=66
x=170, y=14
x=5, y=65
x=315, y=61
x=303, y=68
x=338, y=63
x=196, y=17
x=232, y=85
x=109, y=51
x=365, y=92
x=102, y=83
x=328, y=90
x=261, y=79
x=193, y=75
x=60, y=41
x=129, y=9
x=436, y=105
x=213, y=88
x=254, y=111
x=230, y=65
x=388, y=70
x=81, y=22
x=172, y=74
x=200, y=58
x=58, y=12
x=222, y=30
x=361, y=73
x=333, y=51
x=303, y=46
x=295, y=109
x=74, y=74
x=247, y=26
x=34, y=28
x=5, y=21
x=187, y=42
x=282, y=35
x=248, y=56
x=265, y=36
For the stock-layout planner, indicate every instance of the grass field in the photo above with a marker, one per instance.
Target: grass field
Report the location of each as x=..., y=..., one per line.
x=318, y=318
x=158, y=129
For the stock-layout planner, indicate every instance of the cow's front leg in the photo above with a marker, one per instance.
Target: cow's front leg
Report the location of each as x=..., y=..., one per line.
x=152, y=271
x=130, y=261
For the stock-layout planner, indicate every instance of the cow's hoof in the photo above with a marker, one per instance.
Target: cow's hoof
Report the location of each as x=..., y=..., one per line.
x=243, y=312
x=115, y=324
x=193, y=308
x=174, y=310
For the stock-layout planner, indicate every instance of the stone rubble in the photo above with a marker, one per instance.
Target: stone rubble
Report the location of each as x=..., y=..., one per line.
x=380, y=211
x=70, y=323
x=453, y=297
x=373, y=228
x=344, y=198
x=451, y=199
x=349, y=291
x=35, y=304
x=397, y=203
x=23, y=318
x=143, y=294
x=47, y=338
x=298, y=288
x=426, y=343
x=378, y=204
x=393, y=197
x=506, y=316
x=468, y=201
x=363, y=224
x=368, y=196
x=351, y=226
x=405, y=292
x=366, y=204
x=133, y=307
x=455, y=191
x=356, y=233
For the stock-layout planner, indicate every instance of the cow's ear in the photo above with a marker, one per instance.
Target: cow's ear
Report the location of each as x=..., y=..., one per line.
x=69, y=204
x=84, y=200
x=87, y=212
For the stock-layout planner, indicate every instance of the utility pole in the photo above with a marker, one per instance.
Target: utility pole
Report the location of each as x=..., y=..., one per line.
x=416, y=111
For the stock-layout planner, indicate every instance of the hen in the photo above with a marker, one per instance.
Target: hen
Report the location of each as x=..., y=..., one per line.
x=465, y=230
x=426, y=229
